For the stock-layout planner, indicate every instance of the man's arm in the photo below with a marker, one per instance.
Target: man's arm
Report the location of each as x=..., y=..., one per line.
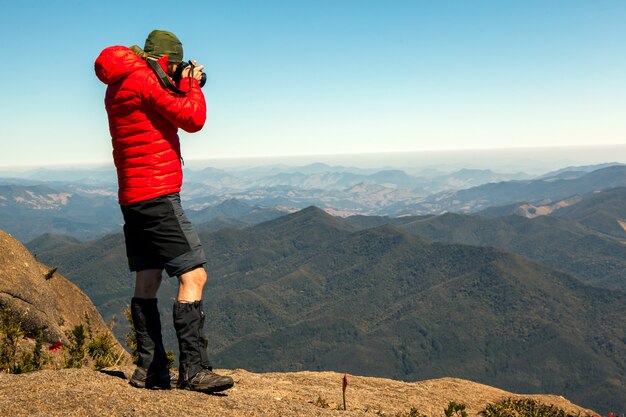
x=187, y=112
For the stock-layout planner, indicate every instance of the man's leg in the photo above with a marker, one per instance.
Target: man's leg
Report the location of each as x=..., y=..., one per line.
x=195, y=371
x=190, y=285
x=151, y=371
x=147, y=283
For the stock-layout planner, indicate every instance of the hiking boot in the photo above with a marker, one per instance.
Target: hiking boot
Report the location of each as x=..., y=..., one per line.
x=151, y=369
x=206, y=381
x=141, y=379
x=195, y=371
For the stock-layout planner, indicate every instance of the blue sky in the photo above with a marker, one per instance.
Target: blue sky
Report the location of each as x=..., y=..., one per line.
x=325, y=77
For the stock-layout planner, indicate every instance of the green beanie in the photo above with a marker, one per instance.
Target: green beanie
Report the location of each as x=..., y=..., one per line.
x=162, y=42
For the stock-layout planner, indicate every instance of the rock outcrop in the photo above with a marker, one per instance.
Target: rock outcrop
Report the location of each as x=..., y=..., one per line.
x=41, y=298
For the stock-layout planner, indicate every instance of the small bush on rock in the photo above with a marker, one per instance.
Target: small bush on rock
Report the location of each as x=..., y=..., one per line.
x=12, y=360
x=523, y=408
x=76, y=347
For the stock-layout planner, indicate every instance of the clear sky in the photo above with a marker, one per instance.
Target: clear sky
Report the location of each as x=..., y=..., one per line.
x=326, y=76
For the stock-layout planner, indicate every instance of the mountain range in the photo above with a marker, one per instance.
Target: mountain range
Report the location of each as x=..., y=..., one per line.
x=27, y=211
x=586, y=239
x=543, y=191
x=86, y=208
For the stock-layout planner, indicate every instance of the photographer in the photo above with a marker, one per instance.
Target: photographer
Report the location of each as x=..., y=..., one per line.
x=150, y=94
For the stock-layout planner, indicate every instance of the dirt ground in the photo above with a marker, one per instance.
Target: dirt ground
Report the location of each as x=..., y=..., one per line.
x=84, y=392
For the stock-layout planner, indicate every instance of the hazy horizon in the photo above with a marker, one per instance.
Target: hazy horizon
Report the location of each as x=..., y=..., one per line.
x=532, y=160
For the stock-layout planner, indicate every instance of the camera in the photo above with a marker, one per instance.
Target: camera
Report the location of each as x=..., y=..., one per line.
x=178, y=74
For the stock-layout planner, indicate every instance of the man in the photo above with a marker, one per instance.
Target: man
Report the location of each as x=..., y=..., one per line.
x=145, y=111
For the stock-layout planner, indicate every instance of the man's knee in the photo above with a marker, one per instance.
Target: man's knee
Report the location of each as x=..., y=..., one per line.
x=147, y=283
x=195, y=277
x=191, y=285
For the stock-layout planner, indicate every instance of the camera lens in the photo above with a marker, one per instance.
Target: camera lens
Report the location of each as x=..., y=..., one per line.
x=178, y=74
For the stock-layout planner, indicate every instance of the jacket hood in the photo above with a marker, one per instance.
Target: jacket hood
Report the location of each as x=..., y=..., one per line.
x=116, y=62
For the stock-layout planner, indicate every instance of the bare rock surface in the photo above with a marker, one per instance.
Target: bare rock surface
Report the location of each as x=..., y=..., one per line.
x=84, y=392
x=41, y=297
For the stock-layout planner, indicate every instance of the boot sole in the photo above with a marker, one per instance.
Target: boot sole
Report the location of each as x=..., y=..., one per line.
x=151, y=382
x=155, y=387
x=142, y=384
x=208, y=390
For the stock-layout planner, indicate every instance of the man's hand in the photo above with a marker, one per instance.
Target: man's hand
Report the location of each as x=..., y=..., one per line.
x=197, y=71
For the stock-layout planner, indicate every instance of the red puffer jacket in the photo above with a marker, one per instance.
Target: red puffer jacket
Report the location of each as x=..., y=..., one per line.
x=144, y=118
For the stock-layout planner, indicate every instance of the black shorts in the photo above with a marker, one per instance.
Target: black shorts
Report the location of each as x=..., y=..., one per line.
x=159, y=236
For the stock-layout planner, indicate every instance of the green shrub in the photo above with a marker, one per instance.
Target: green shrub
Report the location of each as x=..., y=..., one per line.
x=38, y=358
x=523, y=408
x=131, y=337
x=76, y=347
x=101, y=350
x=11, y=332
x=171, y=358
x=11, y=360
x=321, y=403
x=29, y=362
x=414, y=412
x=455, y=409
x=81, y=343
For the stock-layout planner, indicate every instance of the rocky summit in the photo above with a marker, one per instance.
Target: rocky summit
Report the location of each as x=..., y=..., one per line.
x=84, y=392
